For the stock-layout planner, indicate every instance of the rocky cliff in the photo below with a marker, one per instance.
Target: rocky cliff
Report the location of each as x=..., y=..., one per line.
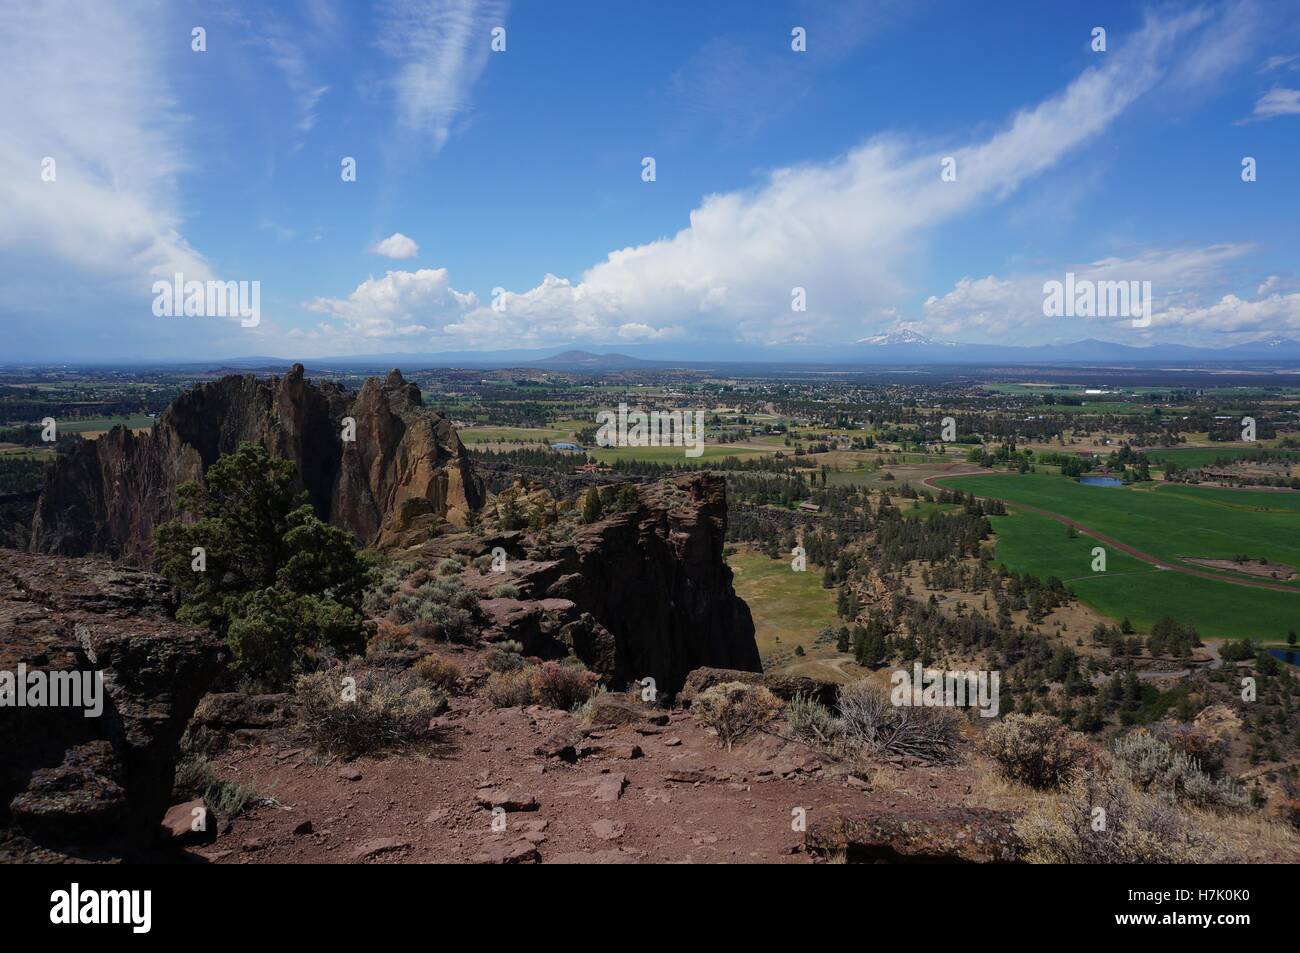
x=108, y=495
x=103, y=780
x=645, y=592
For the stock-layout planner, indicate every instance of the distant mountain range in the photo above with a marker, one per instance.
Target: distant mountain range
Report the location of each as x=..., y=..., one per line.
x=903, y=347
x=908, y=347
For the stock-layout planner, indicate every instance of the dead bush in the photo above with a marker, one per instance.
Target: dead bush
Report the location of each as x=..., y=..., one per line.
x=1036, y=750
x=870, y=721
x=735, y=710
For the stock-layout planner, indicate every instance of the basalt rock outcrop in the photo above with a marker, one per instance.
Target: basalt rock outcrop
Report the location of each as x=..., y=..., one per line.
x=644, y=592
x=68, y=780
x=406, y=467
x=945, y=834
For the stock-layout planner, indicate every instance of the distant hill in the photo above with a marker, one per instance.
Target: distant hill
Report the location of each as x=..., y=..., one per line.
x=586, y=360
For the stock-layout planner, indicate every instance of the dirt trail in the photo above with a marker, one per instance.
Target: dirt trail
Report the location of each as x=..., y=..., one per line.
x=967, y=470
x=681, y=799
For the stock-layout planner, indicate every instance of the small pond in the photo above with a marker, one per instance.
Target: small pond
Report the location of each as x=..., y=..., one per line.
x=1100, y=481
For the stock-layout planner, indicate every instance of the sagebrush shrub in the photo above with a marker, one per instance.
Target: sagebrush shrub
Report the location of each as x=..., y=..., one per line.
x=505, y=657
x=442, y=674
x=735, y=710
x=1036, y=750
x=563, y=685
x=1150, y=763
x=810, y=721
x=1105, y=819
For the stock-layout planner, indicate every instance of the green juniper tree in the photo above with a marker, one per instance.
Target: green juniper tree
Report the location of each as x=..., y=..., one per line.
x=256, y=565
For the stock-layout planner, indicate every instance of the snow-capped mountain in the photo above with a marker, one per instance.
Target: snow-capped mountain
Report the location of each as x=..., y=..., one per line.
x=902, y=336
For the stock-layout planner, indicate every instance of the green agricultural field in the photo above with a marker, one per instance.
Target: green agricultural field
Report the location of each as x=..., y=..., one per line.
x=1168, y=521
x=104, y=424
x=789, y=609
x=473, y=435
x=1027, y=542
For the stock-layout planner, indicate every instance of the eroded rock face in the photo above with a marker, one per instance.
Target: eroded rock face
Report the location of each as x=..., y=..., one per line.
x=109, y=495
x=66, y=778
x=651, y=594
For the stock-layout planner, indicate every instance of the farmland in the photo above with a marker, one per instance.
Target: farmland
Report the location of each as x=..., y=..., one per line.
x=1168, y=522
x=1130, y=588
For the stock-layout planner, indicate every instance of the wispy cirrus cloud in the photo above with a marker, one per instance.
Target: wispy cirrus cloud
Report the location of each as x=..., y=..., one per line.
x=112, y=133
x=1278, y=101
x=291, y=59
x=440, y=48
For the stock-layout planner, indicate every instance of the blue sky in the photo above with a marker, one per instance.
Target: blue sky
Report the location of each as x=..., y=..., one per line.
x=522, y=170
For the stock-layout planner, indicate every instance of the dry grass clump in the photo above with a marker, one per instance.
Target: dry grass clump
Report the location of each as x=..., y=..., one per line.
x=350, y=712
x=1036, y=750
x=509, y=689
x=734, y=710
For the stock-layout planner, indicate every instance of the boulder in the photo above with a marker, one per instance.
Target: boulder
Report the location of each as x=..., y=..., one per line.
x=188, y=823
x=611, y=709
x=919, y=835
x=243, y=717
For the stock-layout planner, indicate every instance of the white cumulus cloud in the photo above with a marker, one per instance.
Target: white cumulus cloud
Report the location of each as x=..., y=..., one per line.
x=396, y=246
x=845, y=230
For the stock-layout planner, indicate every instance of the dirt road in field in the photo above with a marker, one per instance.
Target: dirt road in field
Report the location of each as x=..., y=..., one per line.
x=961, y=469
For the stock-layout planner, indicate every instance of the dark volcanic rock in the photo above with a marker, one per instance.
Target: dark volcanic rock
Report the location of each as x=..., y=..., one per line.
x=919, y=835
x=406, y=470
x=106, y=779
x=654, y=583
